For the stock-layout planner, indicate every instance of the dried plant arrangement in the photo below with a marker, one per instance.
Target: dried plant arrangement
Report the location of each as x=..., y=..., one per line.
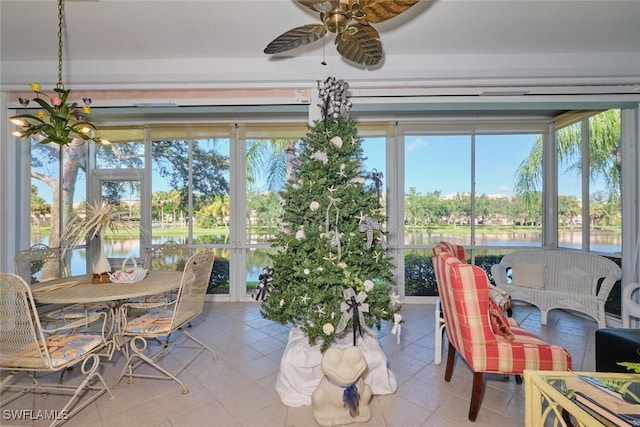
x=99, y=217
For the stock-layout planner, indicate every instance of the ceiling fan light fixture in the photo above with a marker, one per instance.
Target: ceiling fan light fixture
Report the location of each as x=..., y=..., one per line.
x=350, y=20
x=337, y=20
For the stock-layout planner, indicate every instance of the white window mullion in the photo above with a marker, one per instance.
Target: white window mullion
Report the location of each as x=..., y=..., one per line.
x=238, y=202
x=586, y=163
x=550, y=189
x=395, y=204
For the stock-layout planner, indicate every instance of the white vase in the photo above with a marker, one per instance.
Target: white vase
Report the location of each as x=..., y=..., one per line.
x=102, y=265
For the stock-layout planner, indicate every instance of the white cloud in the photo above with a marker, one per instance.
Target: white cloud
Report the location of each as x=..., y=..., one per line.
x=416, y=144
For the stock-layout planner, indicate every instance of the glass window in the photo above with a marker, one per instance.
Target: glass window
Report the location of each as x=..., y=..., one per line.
x=570, y=221
x=124, y=195
x=45, y=174
x=117, y=155
x=50, y=189
x=603, y=225
x=504, y=217
x=211, y=192
x=270, y=164
x=437, y=189
x=605, y=214
x=375, y=160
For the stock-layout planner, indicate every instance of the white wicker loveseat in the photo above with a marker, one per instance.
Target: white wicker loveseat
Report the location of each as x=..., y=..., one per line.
x=554, y=278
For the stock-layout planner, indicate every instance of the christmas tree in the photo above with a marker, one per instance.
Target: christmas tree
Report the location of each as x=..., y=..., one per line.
x=331, y=274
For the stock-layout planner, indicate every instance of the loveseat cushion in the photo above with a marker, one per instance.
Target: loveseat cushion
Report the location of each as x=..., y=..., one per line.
x=528, y=275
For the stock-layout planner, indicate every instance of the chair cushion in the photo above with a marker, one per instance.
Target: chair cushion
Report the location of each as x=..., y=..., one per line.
x=63, y=349
x=76, y=311
x=499, y=324
x=157, y=322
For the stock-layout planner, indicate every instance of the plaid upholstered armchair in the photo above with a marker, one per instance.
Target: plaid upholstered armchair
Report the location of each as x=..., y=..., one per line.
x=499, y=296
x=478, y=330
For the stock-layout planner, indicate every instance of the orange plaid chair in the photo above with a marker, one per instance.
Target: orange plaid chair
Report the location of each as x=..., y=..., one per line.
x=479, y=332
x=500, y=297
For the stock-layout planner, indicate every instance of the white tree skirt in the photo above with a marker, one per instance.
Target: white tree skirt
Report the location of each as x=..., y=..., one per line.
x=300, y=371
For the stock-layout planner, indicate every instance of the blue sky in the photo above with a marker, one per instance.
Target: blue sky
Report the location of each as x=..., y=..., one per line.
x=443, y=163
x=439, y=163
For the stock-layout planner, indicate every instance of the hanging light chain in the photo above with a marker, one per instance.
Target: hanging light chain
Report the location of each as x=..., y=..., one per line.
x=60, y=85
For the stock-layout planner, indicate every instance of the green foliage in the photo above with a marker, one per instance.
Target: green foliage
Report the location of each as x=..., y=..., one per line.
x=419, y=276
x=631, y=366
x=219, y=275
x=330, y=197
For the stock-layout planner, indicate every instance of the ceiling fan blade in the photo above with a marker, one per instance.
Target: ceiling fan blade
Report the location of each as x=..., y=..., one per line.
x=373, y=11
x=360, y=44
x=296, y=37
x=320, y=5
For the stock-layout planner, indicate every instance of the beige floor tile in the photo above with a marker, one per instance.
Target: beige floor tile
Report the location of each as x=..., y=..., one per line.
x=239, y=388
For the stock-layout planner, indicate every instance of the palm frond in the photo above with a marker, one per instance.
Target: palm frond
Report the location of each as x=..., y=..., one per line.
x=100, y=216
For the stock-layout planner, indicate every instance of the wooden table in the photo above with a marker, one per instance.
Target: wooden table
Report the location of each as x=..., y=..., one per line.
x=79, y=289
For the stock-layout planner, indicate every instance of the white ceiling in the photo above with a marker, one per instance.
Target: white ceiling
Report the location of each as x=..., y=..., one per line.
x=444, y=50
x=172, y=43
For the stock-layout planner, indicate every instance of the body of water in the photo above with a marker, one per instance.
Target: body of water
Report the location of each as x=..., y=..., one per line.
x=258, y=258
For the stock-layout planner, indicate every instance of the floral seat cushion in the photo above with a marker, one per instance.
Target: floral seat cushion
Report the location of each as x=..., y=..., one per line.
x=63, y=349
x=156, y=322
x=77, y=311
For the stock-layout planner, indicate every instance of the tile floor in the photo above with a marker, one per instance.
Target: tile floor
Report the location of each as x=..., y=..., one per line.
x=238, y=389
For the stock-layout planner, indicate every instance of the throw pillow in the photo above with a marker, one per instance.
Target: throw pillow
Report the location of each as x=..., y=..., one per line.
x=528, y=275
x=499, y=324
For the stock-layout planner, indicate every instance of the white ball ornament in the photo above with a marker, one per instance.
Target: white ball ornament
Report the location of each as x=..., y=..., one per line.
x=336, y=141
x=327, y=328
x=314, y=206
x=307, y=271
x=368, y=285
x=300, y=234
x=281, y=302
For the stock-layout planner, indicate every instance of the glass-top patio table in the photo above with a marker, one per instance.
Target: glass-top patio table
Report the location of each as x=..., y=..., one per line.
x=79, y=289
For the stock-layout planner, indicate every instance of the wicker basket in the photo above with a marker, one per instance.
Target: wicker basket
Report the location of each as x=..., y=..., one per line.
x=128, y=274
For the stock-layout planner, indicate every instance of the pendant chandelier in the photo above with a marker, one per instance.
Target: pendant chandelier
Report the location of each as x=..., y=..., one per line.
x=58, y=121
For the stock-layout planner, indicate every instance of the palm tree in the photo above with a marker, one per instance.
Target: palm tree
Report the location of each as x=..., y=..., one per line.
x=174, y=198
x=274, y=156
x=604, y=154
x=160, y=198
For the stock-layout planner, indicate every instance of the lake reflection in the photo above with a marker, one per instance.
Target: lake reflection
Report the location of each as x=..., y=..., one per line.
x=257, y=259
x=601, y=241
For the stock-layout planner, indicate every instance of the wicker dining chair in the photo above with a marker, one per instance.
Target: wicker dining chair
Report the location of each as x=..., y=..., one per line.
x=40, y=263
x=166, y=320
x=168, y=256
x=26, y=349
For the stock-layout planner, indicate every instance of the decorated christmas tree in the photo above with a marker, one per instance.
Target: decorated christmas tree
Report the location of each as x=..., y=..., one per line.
x=331, y=274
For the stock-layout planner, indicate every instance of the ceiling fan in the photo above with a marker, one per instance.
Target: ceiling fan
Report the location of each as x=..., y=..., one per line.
x=356, y=41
